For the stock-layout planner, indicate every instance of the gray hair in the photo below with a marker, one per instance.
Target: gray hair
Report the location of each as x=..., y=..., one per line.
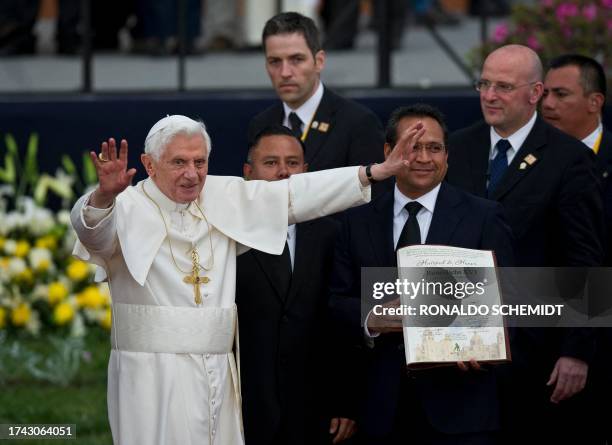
x=167, y=128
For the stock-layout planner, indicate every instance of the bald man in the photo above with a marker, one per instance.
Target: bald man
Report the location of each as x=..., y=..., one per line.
x=546, y=182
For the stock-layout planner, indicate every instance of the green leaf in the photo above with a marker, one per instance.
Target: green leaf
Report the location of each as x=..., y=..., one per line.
x=31, y=164
x=68, y=165
x=89, y=170
x=11, y=144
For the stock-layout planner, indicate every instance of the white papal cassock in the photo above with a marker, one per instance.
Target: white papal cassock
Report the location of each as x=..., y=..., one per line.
x=172, y=377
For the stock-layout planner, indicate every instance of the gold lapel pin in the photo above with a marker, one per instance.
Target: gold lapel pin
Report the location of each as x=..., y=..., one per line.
x=323, y=127
x=530, y=159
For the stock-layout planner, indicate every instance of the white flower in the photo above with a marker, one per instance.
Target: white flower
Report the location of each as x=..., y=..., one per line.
x=16, y=266
x=41, y=221
x=10, y=245
x=77, y=327
x=63, y=217
x=33, y=324
x=12, y=221
x=38, y=256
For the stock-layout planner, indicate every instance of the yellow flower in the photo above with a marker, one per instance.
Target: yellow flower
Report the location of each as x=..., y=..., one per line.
x=57, y=292
x=47, y=242
x=1, y=242
x=4, y=262
x=106, y=320
x=43, y=265
x=2, y=317
x=77, y=270
x=63, y=313
x=26, y=276
x=22, y=249
x=21, y=315
x=90, y=297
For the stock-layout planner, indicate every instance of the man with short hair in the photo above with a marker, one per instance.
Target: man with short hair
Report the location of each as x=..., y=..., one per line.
x=574, y=96
x=168, y=248
x=290, y=380
x=573, y=100
x=546, y=182
x=336, y=132
x=436, y=406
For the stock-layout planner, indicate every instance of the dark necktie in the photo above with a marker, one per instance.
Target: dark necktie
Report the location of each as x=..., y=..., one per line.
x=411, y=233
x=281, y=271
x=498, y=165
x=296, y=125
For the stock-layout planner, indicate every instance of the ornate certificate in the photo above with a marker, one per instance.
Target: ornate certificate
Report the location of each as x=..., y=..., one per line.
x=449, y=296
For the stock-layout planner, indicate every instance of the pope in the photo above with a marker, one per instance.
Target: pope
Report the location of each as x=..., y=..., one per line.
x=168, y=248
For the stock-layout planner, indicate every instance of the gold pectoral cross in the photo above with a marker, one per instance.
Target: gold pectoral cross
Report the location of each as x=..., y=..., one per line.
x=195, y=278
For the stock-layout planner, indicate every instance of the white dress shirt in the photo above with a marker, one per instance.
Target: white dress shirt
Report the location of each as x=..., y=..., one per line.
x=516, y=139
x=291, y=243
x=307, y=110
x=591, y=139
x=400, y=214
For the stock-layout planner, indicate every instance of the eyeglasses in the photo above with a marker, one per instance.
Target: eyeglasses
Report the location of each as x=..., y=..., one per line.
x=431, y=147
x=498, y=87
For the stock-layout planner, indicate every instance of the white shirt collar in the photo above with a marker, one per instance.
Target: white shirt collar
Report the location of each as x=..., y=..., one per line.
x=591, y=139
x=428, y=200
x=166, y=203
x=307, y=110
x=516, y=139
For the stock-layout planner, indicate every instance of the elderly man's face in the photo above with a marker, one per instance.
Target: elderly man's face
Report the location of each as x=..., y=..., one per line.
x=275, y=157
x=181, y=170
x=511, y=93
x=292, y=68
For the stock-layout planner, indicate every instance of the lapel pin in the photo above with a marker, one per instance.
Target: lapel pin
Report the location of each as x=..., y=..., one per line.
x=523, y=166
x=530, y=159
x=315, y=124
x=605, y=174
x=323, y=127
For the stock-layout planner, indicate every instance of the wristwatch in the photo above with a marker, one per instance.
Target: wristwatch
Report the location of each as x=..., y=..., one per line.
x=368, y=172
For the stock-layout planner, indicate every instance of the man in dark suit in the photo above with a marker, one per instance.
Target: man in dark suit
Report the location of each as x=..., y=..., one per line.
x=436, y=406
x=289, y=387
x=574, y=96
x=546, y=182
x=336, y=132
x=573, y=100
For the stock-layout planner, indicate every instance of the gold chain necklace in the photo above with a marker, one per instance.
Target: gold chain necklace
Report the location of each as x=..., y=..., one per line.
x=192, y=277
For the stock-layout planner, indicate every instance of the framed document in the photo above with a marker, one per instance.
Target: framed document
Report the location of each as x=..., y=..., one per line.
x=450, y=296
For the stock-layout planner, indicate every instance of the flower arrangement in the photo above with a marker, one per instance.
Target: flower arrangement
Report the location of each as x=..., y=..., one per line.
x=555, y=27
x=43, y=289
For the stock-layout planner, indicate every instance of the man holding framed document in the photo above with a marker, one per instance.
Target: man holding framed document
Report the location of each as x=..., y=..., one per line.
x=444, y=405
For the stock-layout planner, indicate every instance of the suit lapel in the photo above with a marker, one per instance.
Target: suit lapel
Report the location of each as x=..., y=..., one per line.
x=267, y=264
x=448, y=212
x=479, y=160
x=519, y=168
x=380, y=229
x=325, y=114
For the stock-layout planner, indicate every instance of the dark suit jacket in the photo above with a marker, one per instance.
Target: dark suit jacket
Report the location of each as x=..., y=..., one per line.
x=283, y=338
x=354, y=136
x=604, y=169
x=454, y=401
x=554, y=209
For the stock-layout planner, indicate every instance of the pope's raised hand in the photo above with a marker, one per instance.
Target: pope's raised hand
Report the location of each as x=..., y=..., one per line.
x=399, y=158
x=403, y=151
x=113, y=174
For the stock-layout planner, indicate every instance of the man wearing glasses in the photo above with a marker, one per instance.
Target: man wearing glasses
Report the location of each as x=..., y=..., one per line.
x=546, y=182
x=436, y=406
